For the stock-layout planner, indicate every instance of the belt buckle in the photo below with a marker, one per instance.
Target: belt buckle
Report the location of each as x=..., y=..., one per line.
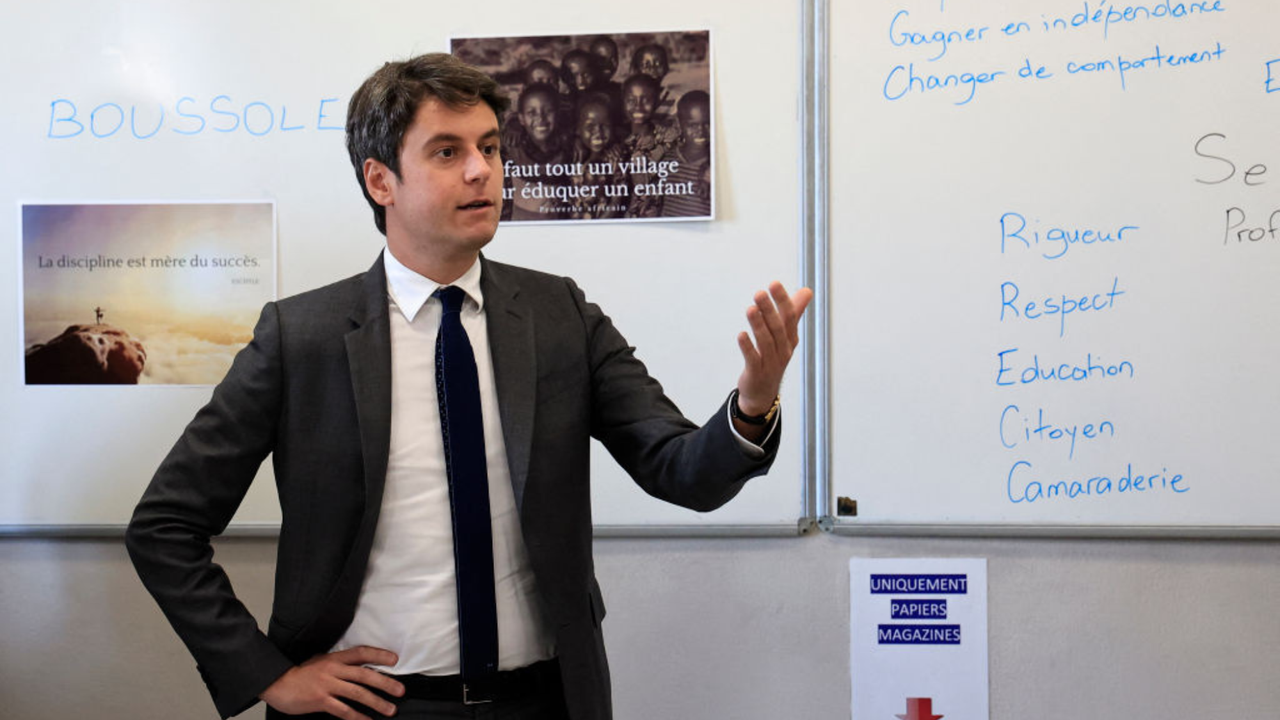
x=481, y=700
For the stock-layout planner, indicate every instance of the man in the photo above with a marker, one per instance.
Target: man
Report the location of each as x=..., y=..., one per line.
x=338, y=387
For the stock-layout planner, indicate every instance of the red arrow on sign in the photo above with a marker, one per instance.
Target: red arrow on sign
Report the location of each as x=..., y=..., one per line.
x=919, y=709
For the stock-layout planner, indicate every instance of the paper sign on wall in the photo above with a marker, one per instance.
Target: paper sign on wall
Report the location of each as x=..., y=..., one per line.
x=918, y=649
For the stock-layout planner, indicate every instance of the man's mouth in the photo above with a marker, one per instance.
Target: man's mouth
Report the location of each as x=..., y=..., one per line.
x=476, y=205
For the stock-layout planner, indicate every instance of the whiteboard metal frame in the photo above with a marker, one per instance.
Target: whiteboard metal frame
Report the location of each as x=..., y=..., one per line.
x=270, y=530
x=844, y=527
x=817, y=379
x=814, y=485
x=816, y=353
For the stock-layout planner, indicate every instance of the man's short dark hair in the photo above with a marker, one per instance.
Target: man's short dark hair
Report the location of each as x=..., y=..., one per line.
x=382, y=109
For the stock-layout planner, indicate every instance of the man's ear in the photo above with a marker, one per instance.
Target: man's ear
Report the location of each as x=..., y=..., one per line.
x=378, y=180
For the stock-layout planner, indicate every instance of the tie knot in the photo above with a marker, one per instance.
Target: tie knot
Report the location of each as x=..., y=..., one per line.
x=451, y=298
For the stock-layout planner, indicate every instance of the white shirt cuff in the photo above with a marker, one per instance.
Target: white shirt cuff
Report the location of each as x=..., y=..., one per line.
x=751, y=449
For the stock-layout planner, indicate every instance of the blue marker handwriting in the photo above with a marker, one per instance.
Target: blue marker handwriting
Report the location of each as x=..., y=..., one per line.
x=961, y=87
x=1061, y=305
x=1022, y=485
x=1015, y=235
x=905, y=79
x=1105, y=14
x=1011, y=372
x=901, y=33
x=188, y=116
x=1018, y=427
x=1121, y=65
x=935, y=38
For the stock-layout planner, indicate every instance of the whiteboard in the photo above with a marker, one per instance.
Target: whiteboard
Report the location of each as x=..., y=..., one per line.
x=81, y=456
x=1053, y=261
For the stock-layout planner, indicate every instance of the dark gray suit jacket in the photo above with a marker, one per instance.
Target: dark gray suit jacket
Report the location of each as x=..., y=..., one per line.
x=313, y=390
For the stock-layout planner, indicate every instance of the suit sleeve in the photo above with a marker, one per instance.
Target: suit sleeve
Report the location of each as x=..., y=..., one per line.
x=670, y=457
x=192, y=498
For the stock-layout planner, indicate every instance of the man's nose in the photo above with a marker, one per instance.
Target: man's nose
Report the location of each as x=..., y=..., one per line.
x=477, y=167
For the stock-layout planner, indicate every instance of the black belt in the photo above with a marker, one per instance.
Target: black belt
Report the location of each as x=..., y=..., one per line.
x=504, y=685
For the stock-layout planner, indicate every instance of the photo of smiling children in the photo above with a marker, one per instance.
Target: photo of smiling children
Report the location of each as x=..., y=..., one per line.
x=604, y=127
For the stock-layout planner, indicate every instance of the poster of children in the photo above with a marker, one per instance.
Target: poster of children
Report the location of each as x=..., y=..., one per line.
x=150, y=294
x=603, y=127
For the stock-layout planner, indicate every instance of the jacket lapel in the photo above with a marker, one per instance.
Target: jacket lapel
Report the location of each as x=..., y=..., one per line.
x=368, y=346
x=369, y=357
x=515, y=369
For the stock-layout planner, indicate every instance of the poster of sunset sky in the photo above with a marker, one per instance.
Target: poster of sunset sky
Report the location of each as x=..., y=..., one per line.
x=156, y=293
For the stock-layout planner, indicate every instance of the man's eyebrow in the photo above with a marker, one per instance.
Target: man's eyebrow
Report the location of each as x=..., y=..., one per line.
x=454, y=138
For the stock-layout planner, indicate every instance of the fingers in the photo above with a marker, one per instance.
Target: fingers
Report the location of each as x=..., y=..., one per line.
x=360, y=694
x=766, y=326
x=749, y=354
x=785, y=309
x=790, y=308
x=335, y=707
x=365, y=655
x=353, y=661
x=774, y=319
x=357, y=687
x=358, y=679
x=322, y=683
x=385, y=683
x=772, y=315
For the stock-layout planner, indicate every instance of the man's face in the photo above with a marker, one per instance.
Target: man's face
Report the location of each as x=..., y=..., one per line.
x=538, y=114
x=593, y=127
x=448, y=197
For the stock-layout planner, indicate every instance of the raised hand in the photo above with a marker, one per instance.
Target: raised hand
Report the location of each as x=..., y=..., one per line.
x=774, y=320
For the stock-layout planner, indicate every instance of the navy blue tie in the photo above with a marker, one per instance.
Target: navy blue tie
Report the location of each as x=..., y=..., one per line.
x=458, y=391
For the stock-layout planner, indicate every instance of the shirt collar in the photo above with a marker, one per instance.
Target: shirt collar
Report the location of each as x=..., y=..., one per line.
x=410, y=291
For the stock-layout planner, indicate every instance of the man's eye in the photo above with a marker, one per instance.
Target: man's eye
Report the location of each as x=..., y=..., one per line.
x=446, y=152
x=490, y=150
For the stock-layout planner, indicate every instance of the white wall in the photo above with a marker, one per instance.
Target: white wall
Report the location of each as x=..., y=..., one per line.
x=732, y=628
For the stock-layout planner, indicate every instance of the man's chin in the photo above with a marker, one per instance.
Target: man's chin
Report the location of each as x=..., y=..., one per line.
x=480, y=235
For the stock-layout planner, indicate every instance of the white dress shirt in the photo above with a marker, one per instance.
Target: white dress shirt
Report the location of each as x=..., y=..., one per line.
x=408, y=603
